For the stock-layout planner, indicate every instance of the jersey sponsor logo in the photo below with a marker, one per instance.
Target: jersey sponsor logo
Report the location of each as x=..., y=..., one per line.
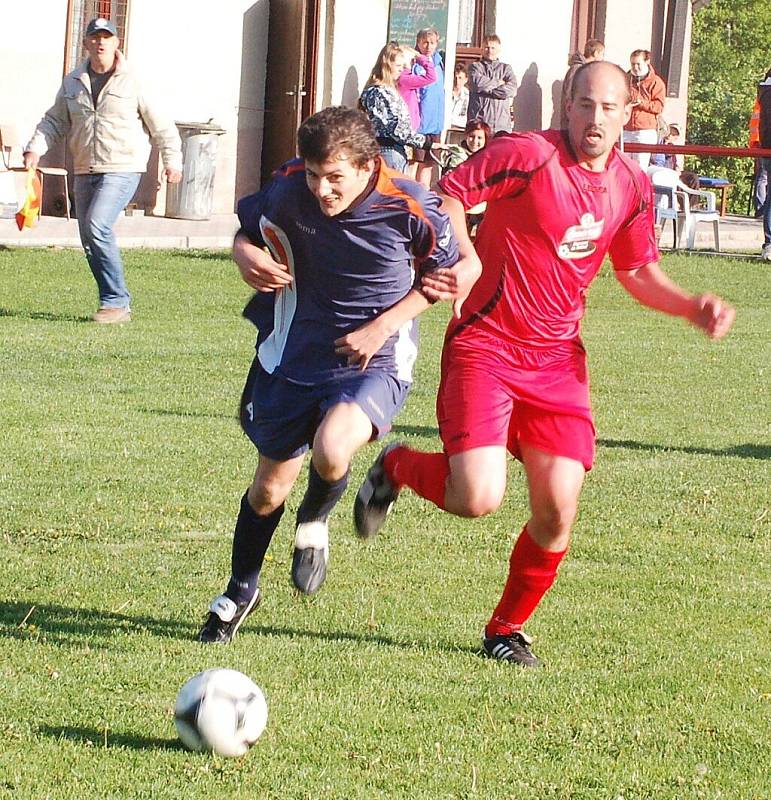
x=305, y=228
x=578, y=241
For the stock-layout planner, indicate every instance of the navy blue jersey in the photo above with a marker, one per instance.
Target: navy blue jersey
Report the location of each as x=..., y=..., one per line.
x=347, y=270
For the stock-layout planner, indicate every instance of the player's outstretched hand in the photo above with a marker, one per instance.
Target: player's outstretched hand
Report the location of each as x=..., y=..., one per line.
x=258, y=268
x=713, y=315
x=360, y=345
x=454, y=283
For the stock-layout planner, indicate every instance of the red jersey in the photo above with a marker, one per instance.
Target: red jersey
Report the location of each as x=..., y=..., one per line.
x=548, y=226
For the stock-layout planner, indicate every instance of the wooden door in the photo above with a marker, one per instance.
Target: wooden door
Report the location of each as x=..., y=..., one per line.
x=290, y=80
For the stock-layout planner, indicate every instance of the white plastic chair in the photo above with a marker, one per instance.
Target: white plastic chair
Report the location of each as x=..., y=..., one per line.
x=705, y=211
x=676, y=201
x=668, y=204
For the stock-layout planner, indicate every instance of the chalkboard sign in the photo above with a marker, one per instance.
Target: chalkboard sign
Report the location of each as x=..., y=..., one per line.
x=407, y=17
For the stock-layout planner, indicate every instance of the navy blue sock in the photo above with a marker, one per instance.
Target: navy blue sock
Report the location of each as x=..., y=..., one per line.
x=250, y=543
x=320, y=497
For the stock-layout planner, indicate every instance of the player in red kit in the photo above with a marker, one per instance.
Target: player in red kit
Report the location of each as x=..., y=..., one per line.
x=514, y=373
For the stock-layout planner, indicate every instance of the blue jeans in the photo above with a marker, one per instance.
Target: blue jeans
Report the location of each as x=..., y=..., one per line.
x=767, y=207
x=98, y=201
x=394, y=158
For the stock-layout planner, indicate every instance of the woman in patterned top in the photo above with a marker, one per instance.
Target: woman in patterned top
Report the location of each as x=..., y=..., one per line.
x=386, y=109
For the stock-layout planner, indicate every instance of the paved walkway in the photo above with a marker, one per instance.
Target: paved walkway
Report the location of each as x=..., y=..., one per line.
x=736, y=233
x=133, y=231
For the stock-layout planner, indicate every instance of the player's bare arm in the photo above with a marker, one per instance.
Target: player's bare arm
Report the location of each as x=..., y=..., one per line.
x=455, y=283
x=360, y=345
x=257, y=267
x=651, y=287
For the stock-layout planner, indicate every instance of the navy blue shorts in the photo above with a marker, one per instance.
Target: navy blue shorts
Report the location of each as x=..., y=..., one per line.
x=281, y=417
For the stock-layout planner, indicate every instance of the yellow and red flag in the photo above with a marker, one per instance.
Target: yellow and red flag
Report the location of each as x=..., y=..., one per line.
x=28, y=213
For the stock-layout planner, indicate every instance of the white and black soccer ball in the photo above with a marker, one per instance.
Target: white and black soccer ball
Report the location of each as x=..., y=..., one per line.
x=220, y=711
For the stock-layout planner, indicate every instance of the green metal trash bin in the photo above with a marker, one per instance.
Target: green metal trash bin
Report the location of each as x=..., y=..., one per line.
x=192, y=197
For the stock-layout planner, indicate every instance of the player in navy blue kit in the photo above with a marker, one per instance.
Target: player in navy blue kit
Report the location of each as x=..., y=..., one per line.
x=337, y=298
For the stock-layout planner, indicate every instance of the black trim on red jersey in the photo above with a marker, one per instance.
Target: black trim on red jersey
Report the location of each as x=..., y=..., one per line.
x=484, y=311
x=499, y=177
x=525, y=175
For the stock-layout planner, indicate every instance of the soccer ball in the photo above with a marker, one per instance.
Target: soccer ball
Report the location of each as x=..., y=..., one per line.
x=220, y=711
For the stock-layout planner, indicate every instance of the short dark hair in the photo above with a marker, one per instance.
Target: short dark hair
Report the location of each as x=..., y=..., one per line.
x=334, y=129
x=478, y=125
x=590, y=65
x=491, y=37
x=646, y=54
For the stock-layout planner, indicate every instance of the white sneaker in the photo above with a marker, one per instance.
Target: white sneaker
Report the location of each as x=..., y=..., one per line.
x=765, y=253
x=311, y=554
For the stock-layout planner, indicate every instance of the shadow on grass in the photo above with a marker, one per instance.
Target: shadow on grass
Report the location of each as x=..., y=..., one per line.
x=356, y=638
x=63, y=625
x=68, y=625
x=416, y=430
x=93, y=737
x=759, y=451
x=48, y=316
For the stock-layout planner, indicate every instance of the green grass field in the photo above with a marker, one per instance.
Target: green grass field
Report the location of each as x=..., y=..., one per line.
x=121, y=469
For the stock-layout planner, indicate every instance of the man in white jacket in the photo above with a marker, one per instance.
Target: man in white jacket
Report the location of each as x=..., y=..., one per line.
x=106, y=116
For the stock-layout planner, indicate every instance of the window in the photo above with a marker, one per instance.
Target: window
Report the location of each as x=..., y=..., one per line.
x=79, y=14
x=476, y=18
x=588, y=23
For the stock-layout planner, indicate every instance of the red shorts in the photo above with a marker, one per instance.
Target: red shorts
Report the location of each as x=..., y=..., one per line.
x=497, y=394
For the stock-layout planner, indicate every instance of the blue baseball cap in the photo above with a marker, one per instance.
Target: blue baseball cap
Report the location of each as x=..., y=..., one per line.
x=101, y=24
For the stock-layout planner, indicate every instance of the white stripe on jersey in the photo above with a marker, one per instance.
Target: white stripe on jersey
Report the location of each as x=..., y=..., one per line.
x=285, y=301
x=406, y=350
x=406, y=345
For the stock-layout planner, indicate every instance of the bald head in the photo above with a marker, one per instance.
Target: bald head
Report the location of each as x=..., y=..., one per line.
x=599, y=71
x=597, y=111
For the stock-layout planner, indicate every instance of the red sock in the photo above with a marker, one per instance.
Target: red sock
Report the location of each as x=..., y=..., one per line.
x=532, y=571
x=424, y=473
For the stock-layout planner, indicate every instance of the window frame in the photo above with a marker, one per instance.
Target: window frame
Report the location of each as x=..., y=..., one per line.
x=79, y=13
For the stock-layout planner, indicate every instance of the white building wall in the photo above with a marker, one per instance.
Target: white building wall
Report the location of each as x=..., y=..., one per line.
x=535, y=40
x=31, y=60
x=628, y=27
x=198, y=62
x=208, y=64
x=356, y=32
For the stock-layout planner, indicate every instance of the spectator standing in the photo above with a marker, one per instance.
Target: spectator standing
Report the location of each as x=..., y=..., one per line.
x=459, y=99
x=106, y=116
x=386, y=109
x=760, y=176
x=764, y=131
x=594, y=50
x=411, y=81
x=431, y=103
x=648, y=94
x=492, y=87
